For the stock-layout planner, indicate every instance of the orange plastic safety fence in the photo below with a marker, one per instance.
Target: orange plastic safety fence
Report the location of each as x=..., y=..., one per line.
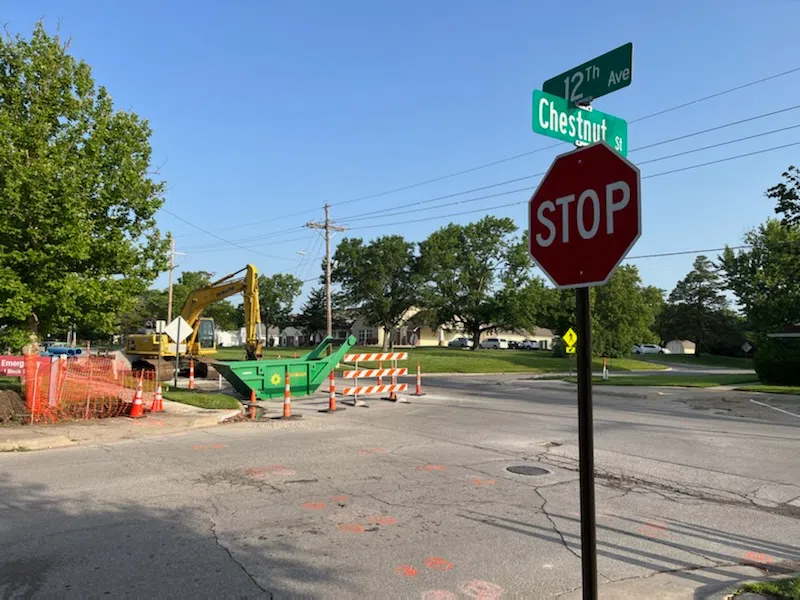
x=91, y=387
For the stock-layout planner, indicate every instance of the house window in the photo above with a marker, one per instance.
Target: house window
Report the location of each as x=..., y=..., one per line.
x=543, y=344
x=364, y=336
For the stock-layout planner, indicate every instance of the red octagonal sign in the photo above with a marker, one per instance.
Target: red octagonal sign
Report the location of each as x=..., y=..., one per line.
x=585, y=216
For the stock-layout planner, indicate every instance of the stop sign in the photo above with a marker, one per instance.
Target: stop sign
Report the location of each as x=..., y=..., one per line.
x=585, y=216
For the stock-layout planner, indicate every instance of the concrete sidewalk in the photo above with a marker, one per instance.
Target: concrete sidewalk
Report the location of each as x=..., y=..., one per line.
x=175, y=418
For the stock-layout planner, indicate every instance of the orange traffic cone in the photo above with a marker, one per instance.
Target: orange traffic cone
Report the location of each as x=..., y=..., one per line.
x=287, y=398
x=332, y=396
x=252, y=405
x=287, y=401
x=191, y=374
x=158, y=401
x=137, y=409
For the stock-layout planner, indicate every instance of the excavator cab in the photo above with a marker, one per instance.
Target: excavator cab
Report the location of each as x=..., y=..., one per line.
x=205, y=335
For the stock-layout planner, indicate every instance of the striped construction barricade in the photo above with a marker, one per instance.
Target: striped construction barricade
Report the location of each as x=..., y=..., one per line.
x=358, y=388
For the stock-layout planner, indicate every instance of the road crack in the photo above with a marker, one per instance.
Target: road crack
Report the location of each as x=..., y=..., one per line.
x=213, y=529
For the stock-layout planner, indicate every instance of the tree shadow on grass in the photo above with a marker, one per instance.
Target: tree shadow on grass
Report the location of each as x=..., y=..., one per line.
x=76, y=547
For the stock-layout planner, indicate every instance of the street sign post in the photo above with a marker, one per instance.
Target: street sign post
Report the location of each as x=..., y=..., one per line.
x=600, y=76
x=583, y=219
x=746, y=347
x=557, y=118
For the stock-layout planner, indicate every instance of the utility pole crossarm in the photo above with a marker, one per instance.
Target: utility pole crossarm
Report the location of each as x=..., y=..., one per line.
x=327, y=226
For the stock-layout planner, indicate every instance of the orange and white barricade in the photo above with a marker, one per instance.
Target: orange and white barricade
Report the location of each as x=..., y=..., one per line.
x=359, y=389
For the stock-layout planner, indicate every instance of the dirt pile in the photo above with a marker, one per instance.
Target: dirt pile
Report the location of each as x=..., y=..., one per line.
x=12, y=407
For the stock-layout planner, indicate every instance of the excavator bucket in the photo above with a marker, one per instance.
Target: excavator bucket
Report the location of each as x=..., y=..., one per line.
x=268, y=376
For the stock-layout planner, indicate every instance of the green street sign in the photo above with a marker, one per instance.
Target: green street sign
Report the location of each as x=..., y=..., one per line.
x=597, y=77
x=557, y=118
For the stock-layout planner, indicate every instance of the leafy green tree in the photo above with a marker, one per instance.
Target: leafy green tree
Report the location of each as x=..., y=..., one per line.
x=276, y=296
x=478, y=276
x=78, y=242
x=150, y=304
x=313, y=318
x=764, y=278
x=694, y=308
x=787, y=197
x=381, y=279
x=623, y=313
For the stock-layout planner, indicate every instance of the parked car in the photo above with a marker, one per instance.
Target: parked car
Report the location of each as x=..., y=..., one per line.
x=513, y=345
x=495, y=344
x=461, y=342
x=650, y=349
x=529, y=345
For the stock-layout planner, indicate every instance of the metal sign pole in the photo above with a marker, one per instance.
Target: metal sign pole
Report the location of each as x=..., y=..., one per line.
x=586, y=446
x=177, y=355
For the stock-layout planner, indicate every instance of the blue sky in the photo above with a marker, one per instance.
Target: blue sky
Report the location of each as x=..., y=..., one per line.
x=263, y=111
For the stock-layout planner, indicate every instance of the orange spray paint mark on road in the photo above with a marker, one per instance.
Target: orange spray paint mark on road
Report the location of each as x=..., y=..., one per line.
x=405, y=571
x=315, y=506
x=367, y=451
x=261, y=472
x=383, y=520
x=340, y=499
x=431, y=468
x=438, y=595
x=758, y=558
x=350, y=527
x=485, y=590
x=653, y=529
x=483, y=482
x=438, y=563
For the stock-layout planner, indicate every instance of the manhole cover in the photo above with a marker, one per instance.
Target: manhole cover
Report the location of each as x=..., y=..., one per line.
x=527, y=470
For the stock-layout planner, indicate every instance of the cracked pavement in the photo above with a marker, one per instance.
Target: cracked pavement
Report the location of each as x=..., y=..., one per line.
x=414, y=500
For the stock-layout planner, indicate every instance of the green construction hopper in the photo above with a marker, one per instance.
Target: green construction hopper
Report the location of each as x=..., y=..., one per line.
x=268, y=376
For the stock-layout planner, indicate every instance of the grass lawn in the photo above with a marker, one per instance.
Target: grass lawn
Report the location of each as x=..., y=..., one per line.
x=704, y=360
x=11, y=383
x=202, y=399
x=700, y=380
x=770, y=389
x=783, y=589
x=455, y=360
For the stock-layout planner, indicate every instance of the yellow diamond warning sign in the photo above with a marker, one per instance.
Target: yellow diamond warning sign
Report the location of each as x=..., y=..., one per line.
x=570, y=338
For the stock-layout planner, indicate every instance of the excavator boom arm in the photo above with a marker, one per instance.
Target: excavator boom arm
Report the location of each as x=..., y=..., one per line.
x=200, y=298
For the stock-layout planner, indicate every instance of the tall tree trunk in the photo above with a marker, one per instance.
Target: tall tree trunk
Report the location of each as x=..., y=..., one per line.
x=387, y=332
x=476, y=338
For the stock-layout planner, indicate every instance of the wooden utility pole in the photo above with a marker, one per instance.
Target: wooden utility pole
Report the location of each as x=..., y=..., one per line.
x=172, y=255
x=171, y=269
x=328, y=226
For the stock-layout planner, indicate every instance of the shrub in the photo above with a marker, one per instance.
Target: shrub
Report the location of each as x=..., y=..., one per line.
x=559, y=348
x=777, y=361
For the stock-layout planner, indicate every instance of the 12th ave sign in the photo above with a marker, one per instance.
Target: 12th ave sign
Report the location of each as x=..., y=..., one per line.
x=585, y=216
x=597, y=77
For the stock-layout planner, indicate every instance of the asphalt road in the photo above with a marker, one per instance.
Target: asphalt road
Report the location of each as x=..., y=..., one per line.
x=412, y=500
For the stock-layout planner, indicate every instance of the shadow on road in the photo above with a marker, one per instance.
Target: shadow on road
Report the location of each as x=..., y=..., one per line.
x=74, y=547
x=640, y=547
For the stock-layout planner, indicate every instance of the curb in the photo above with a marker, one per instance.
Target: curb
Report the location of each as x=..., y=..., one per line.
x=43, y=443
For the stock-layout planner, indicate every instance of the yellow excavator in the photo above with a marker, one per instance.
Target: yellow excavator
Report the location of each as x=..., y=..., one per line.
x=143, y=348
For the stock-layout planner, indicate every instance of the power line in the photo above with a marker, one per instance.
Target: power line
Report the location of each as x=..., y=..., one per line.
x=383, y=212
x=531, y=152
x=523, y=154
x=222, y=239
x=678, y=170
